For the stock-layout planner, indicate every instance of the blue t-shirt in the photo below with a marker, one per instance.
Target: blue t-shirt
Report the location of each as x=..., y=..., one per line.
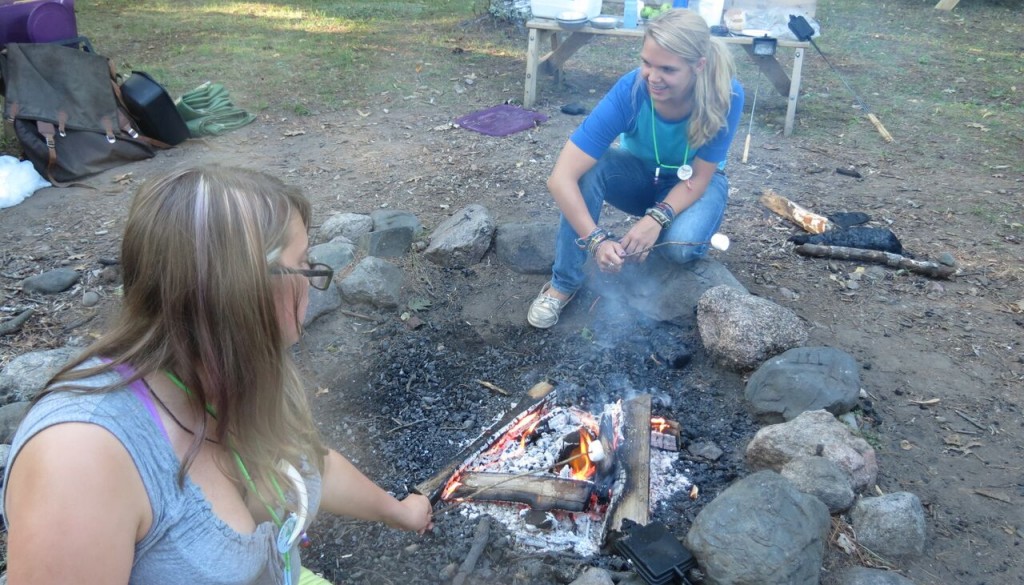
x=626, y=113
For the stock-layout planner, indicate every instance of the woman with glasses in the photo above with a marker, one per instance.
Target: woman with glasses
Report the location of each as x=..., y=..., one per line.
x=674, y=118
x=179, y=447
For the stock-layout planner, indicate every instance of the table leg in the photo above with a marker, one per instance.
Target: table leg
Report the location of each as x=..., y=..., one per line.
x=532, y=60
x=794, y=91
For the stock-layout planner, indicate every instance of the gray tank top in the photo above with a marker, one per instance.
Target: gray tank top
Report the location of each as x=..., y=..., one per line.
x=187, y=542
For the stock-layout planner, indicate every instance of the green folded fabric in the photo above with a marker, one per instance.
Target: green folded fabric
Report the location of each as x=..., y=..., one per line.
x=208, y=111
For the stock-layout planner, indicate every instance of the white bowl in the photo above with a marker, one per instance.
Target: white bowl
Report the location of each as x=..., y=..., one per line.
x=604, y=21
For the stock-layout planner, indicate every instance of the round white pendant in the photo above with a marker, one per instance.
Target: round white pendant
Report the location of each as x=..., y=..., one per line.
x=684, y=172
x=287, y=533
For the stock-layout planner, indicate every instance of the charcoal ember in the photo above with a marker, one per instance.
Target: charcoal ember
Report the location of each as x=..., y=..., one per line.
x=865, y=238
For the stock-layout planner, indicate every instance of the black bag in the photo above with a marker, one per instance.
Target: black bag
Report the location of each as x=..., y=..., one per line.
x=150, y=104
x=65, y=111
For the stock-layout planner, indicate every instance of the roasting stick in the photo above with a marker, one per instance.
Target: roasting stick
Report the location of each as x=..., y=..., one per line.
x=717, y=241
x=594, y=450
x=750, y=126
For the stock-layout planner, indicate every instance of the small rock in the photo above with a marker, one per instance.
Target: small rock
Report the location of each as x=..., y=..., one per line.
x=574, y=109
x=51, y=281
x=947, y=259
x=90, y=298
x=787, y=294
x=707, y=450
x=852, y=285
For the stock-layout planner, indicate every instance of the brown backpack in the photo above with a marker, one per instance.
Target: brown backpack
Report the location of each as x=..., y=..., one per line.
x=66, y=113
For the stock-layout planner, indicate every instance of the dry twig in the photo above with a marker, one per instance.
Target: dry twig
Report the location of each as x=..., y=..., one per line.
x=483, y=532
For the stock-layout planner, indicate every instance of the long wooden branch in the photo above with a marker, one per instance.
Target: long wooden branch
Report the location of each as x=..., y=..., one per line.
x=932, y=269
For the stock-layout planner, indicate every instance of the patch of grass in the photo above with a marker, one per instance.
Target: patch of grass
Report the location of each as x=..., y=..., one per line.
x=277, y=53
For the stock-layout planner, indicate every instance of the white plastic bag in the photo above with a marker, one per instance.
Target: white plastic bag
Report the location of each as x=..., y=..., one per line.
x=18, y=180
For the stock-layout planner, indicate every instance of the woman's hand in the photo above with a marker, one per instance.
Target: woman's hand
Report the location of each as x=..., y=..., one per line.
x=609, y=256
x=640, y=238
x=415, y=514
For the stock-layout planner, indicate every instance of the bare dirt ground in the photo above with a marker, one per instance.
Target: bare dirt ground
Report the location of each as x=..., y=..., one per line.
x=942, y=360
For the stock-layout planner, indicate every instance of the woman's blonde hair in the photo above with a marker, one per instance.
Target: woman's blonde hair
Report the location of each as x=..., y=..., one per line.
x=197, y=254
x=684, y=33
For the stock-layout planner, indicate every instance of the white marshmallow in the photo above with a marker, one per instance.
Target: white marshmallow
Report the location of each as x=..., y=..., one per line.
x=595, y=451
x=720, y=242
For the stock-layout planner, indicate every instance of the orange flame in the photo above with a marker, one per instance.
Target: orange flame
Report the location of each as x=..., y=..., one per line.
x=659, y=424
x=582, y=467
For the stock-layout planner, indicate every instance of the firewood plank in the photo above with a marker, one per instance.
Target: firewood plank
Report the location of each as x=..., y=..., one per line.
x=635, y=456
x=539, y=492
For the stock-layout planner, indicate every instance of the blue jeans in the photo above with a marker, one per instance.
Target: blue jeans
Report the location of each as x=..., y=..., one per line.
x=624, y=181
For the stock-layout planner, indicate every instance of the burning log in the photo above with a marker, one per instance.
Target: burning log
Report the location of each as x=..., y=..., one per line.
x=537, y=398
x=634, y=455
x=538, y=492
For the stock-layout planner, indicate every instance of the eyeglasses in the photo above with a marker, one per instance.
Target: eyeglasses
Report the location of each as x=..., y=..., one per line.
x=319, y=275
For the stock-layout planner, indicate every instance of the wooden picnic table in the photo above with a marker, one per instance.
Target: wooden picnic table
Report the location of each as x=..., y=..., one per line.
x=564, y=44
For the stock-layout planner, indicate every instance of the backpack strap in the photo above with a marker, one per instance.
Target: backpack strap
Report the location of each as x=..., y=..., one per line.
x=48, y=131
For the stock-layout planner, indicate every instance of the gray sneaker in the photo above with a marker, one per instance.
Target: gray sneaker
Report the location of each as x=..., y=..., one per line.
x=545, y=309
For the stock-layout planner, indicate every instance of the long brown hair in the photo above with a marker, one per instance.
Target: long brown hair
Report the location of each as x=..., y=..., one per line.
x=197, y=251
x=684, y=33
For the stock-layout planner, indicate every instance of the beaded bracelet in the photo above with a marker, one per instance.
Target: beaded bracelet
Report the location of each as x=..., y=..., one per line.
x=667, y=209
x=594, y=240
x=659, y=216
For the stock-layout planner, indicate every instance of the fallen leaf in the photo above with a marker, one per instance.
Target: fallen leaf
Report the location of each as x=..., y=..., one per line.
x=905, y=445
x=294, y=132
x=993, y=494
x=977, y=125
x=845, y=544
x=362, y=113
x=321, y=391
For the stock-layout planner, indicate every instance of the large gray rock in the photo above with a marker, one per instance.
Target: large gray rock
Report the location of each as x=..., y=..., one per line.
x=351, y=226
x=760, y=530
x=375, y=282
x=26, y=374
x=823, y=479
x=337, y=253
x=463, y=238
x=866, y=576
x=392, y=235
x=321, y=302
x=802, y=379
x=891, y=526
x=10, y=417
x=814, y=433
x=741, y=330
x=527, y=248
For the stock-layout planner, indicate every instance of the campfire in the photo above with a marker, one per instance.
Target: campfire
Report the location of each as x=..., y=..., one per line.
x=558, y=475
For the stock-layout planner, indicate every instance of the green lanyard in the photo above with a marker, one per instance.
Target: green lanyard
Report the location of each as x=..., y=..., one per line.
x=284, y=526
x=654, y=137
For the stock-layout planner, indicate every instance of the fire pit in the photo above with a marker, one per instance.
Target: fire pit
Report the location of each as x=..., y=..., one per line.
x=560, y=477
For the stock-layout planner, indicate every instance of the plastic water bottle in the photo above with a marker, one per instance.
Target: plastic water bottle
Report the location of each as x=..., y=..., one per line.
x=629, y=15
